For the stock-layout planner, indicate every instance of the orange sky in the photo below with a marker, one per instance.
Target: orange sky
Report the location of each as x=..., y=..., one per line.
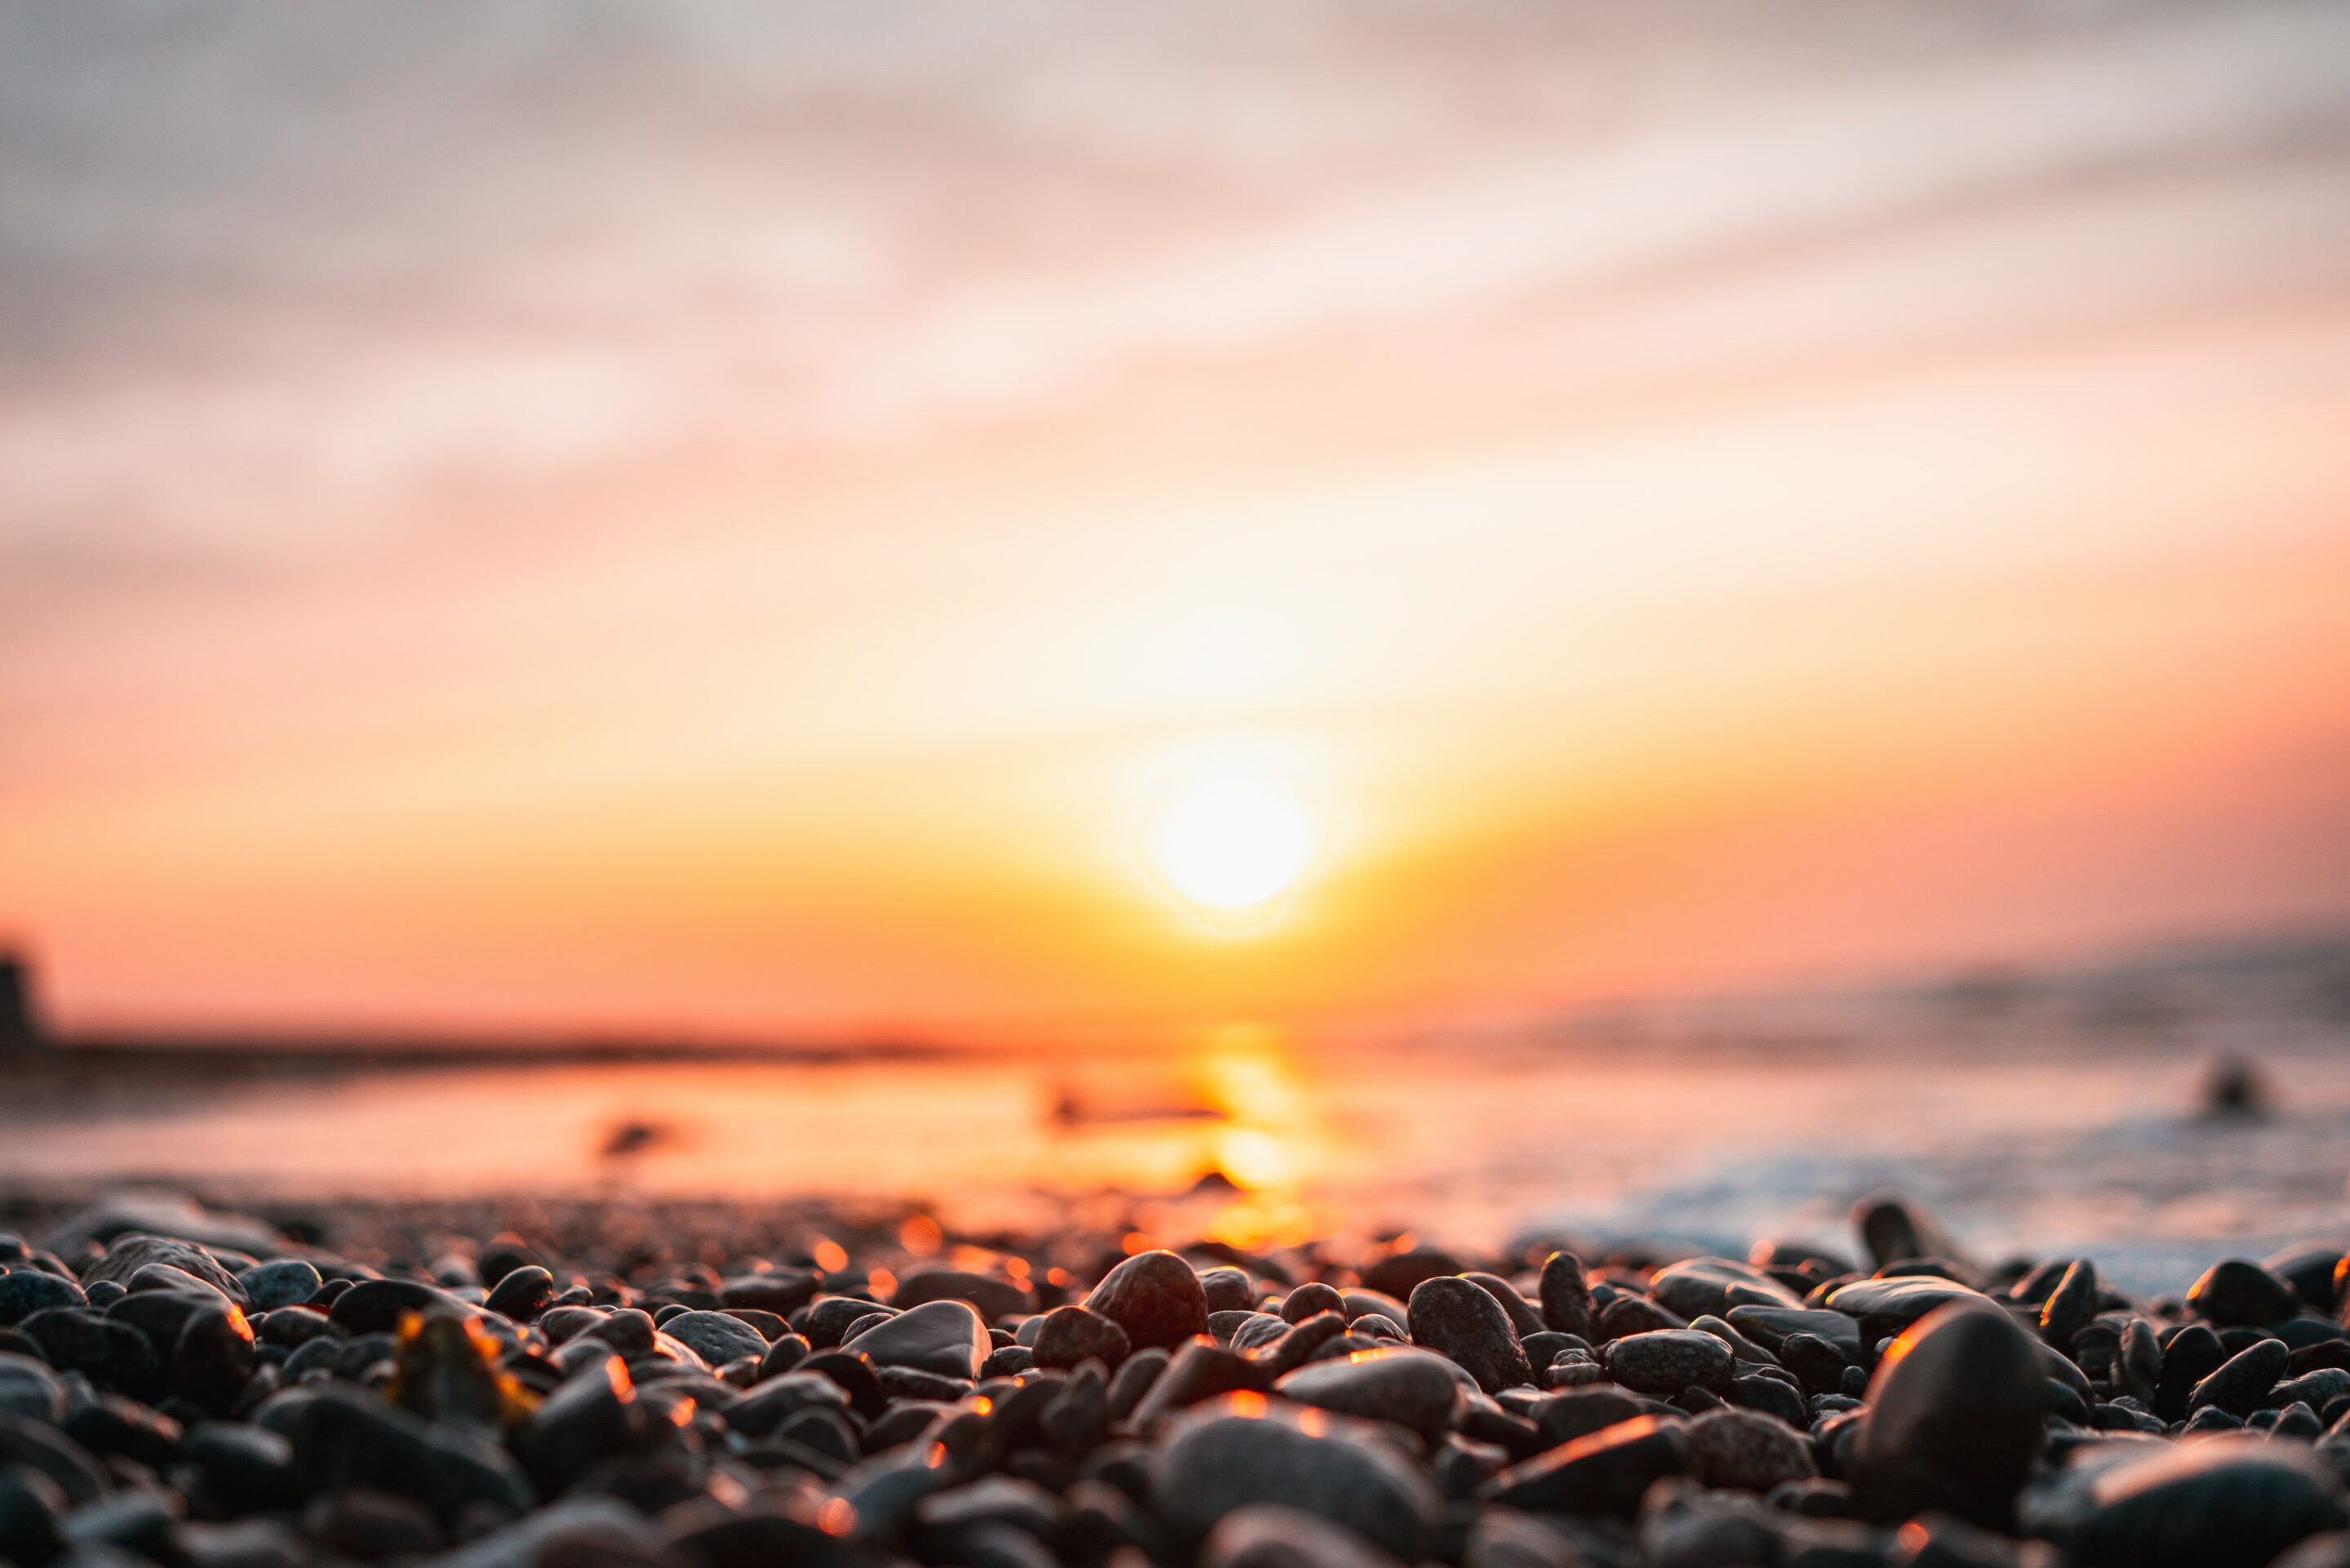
x=748, y=544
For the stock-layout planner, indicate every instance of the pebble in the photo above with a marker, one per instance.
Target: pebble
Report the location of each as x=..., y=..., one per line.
x=2240, y=1294
x=1955, y=1416
x=686, y=1396
x=1243, y=1448
x=1274, y=1535
x=1746, y=1450
x=1663, y=1362
x=280, y=1282
x=1072, y=1334
x=1605, y=1472
x=944, y=1337
x=1412, y=1388
x=2215, y=1503
x=1565, y=1294
x=715, y=1337
x=992, y=1297
x=24, y=1291
x=1155, y=1297
x=2240, y=1385
x=1462, y=1321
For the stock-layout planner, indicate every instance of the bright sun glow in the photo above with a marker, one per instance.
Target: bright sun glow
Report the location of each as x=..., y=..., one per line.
x=1234, y=835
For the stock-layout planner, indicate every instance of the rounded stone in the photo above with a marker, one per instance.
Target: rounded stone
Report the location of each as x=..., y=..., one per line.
x=714, y=1337
x=280, y=1282
x=24, y=1291
x=1411, y=1387
x=1155, y=1297
x=2239, y=1293
x=1242, y=1449
x=1747, y=1451
x=1955, y=1420
x=942, y=1338
x=1068, y=1336
x=1456, y=1318
x=1665, y=1361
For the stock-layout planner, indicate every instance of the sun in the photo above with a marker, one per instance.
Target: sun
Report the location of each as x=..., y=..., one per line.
x=1234, y=836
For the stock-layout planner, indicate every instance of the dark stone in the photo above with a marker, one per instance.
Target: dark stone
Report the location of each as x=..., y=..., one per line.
x=781, y=1291
x=109, y=1424
x=763, y=1411
x=282, y=1282
x=1450, y=1315
x=992, y=1297
x=1894, y=1231
x=1697, y=1287
x=1629, y=1315
x=1771, y=1396
x=1663, y=1362
x=376, y=1306
x=2311, y=1271
x=357, y=1522
x=2070, y=1305
x=2189, y=1356
x=28, y=1387
x=131, y=1253
x=1605, y=1472
x=716, y=1337
x=1746, y=1450
x=41, y=1447
x=787, y=1351
x=1955, y=1420
x=828, y=1321
x=343, y=1437
x=168, y=1215
x=1273, y=1536
x=1579, y=1412
x=1133, y=1380
x=522, y=1293
x=2240, y=1385
x=1817, y=1365
x=854, y=1372
x=1155, y=1297
x=1309, y=1299
x=1885, y=1307
x=1363, y=1303
x=32, y=1508
x=944, y=1337
x=1071, y=1335
x=1411, y=1387
x=1770, y=1326
x=1399, y=1274
x=1201, y=1370
x=111, y=1355
x=213, y=1358
x=1244, y=1449
x=1228, y=1289
x=246, y=1467
x=2240, y=1295
x=2217, y=1503
x=1523, y=1319
x=26, y=1290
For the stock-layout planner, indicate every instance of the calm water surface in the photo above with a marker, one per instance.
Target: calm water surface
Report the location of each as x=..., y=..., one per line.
x=2053, y=1123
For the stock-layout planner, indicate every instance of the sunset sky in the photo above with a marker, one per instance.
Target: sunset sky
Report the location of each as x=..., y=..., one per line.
x=527, y=515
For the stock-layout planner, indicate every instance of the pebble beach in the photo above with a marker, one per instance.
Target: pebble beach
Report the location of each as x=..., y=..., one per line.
x=591, y=1385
